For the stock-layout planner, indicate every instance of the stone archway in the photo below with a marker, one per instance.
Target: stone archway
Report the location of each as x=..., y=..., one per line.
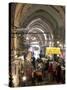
x=38, y=19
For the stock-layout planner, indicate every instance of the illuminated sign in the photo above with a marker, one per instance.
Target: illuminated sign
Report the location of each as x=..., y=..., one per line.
x=52, y=50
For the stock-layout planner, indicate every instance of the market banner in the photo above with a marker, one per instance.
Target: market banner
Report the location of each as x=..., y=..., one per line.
x=53, y=50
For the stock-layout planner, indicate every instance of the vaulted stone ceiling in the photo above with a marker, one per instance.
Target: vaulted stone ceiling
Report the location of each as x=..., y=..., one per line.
x=53, y=16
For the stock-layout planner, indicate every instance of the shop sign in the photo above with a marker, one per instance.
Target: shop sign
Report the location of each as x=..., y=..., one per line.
x=52, y=50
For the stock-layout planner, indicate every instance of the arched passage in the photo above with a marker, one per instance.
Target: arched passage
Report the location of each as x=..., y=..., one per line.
x=34, y=26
